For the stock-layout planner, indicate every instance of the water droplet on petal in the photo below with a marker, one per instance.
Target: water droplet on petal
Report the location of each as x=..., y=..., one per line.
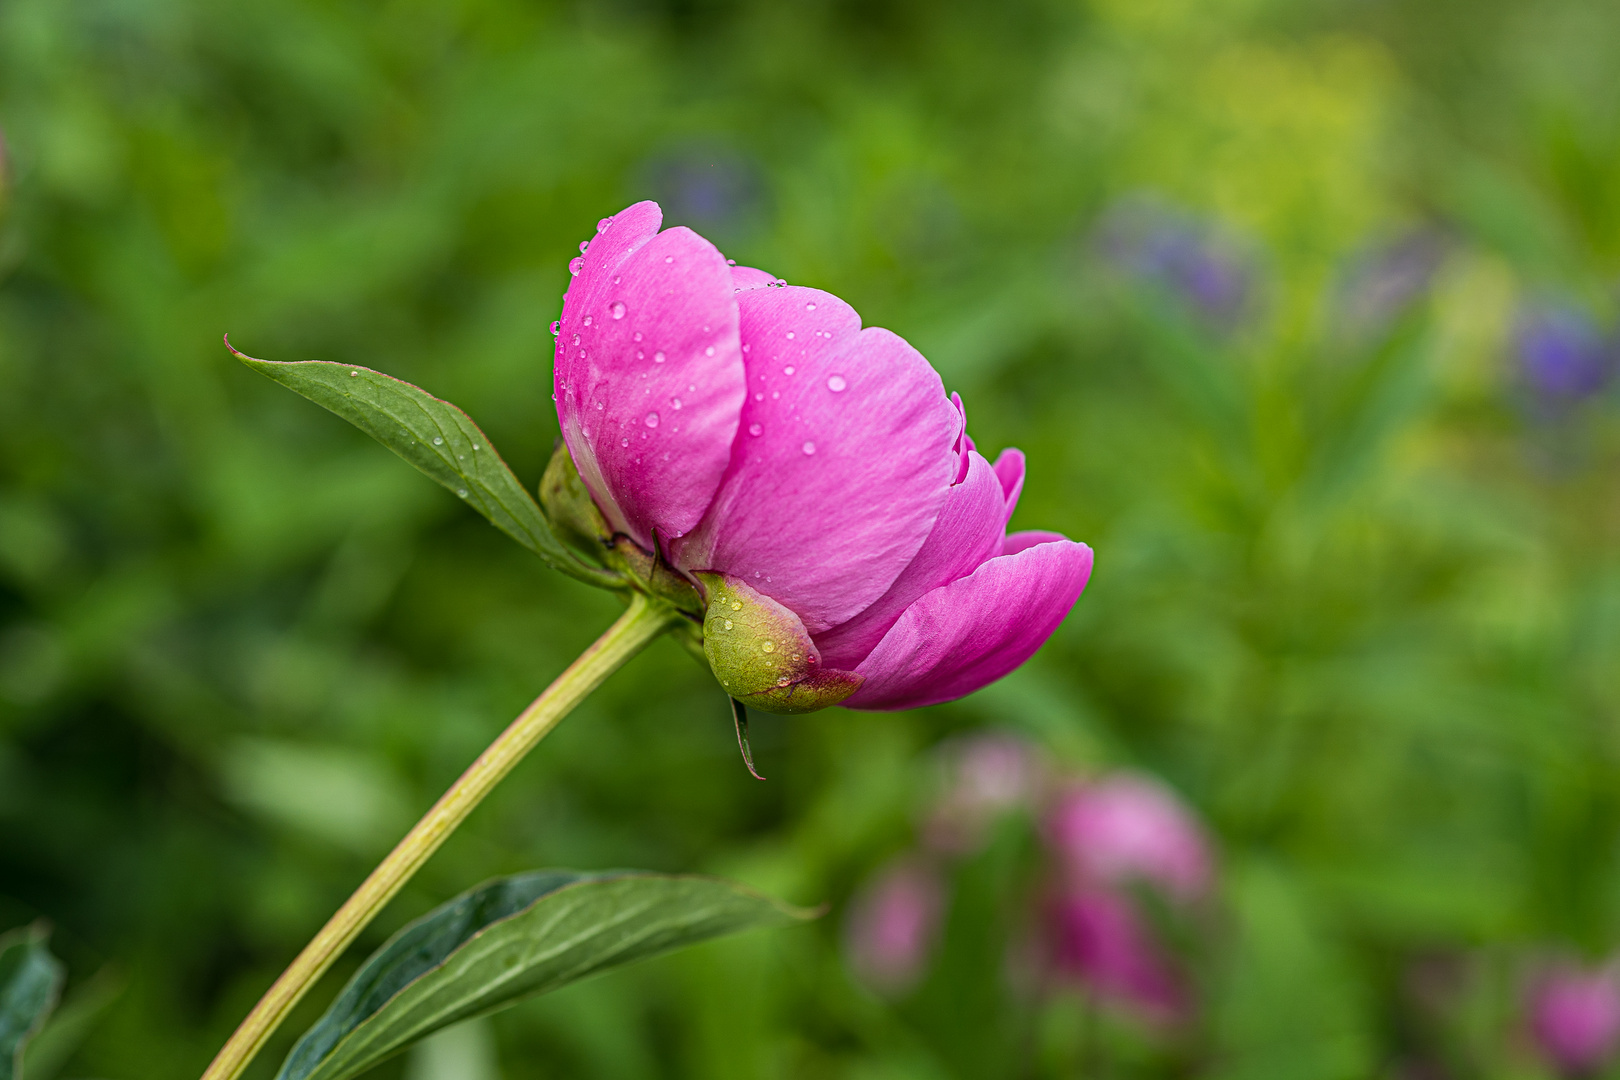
x=755, y=429
x=658, y=358
x=709, y=351
x=810, y=305
x=616, y=309
x=767, y=646
x=790, y=335
x=652, y=419
x=636, y=336
x=603, y=224
x=583, y=244
x=556, y=328
x=669, y=258
x=675, y=403
x=808, y=448
x=790, y=369
x=575, y=265
x=836, y=384
x=760, y=396
x=576, y=339
x=624, y=442
x=587, y=320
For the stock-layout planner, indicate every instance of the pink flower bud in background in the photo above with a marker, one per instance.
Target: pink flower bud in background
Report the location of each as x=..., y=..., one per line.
x=1575, y=1017
x=812, y=471
x=1098, y=938
x=892, y=925
x=1129, y=827
x=985, y=776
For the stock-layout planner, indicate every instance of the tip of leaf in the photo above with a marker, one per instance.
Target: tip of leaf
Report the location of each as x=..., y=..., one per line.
x=238, y=353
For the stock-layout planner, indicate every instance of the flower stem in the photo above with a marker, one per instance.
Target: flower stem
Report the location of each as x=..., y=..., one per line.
x=638, y=626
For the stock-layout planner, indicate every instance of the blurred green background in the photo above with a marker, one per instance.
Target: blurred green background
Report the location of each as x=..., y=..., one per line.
x=1255, y=284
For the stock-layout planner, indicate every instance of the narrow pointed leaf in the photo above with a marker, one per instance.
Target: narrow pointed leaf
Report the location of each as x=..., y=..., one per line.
x=512, y=938
x=30, y=979
x=440, y=440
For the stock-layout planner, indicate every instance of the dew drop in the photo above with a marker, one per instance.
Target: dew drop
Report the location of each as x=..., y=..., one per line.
x=616, y=309
x=604, y=223
x=575, y=265
x=462, y=492
x=768, y=646
x=658, y=358
x=760, y=396
x=783, y=681
x=438, y=440
x=808, y=448
x=352, y=374
x=675, y=403
x=640, y=355
x=728, y=624
x=797, y=658
x=790, y=369
x=652, y=419
x=755, y=429
x=636, y=336
x=669, y=258
x=583, y=244
x=736, y=605
x=624, y=442
x=836, y=384
x=576, y=339
x=790, y=335
x=709, y=351
x=587, y=320
x=556, y=328
x=810, y=305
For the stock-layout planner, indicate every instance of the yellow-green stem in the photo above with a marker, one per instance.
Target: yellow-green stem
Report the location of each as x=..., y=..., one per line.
x=643, y=621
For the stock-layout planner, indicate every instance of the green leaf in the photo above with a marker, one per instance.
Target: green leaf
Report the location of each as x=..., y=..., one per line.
x=509, y=939
x=439, y=439
x=30, y=979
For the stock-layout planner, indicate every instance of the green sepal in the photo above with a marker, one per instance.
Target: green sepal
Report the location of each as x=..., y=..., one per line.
x=762, y=654
x=439, y=439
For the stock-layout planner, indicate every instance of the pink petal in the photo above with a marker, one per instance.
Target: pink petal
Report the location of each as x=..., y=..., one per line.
x=1010, y=468
x=964, y=442
x=840, y=466
x=973, y=631
x=1021, y=541
x=651, y=437
x=967, y=532
x=746, y=277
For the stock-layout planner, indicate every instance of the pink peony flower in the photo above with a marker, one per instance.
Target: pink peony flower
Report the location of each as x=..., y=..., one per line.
x=892, y=925
x=1097, y=937
x=1575, y=1017
x=1130, y=827
x=812, y=475
x=985, y=776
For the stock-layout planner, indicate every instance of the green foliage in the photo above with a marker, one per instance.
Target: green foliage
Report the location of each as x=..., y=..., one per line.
x=30, y=980
x=510, y=939
x=1357, y=593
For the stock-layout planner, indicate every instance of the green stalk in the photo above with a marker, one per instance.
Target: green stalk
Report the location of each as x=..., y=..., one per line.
x=638, y=626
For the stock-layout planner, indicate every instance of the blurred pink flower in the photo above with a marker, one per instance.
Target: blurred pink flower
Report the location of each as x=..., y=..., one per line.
x=985, y=776
x=753, y=431
x=1575, y=1016
x=1097, y=937
x=893, y=923
x=1129, y=827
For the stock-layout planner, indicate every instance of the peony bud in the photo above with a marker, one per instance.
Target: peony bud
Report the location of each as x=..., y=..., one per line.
x=1575, y=1017
x=893, y=925
x=1130, y=827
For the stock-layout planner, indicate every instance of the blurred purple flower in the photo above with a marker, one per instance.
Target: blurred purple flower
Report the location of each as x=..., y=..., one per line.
x=1562, y=354
x=893, y=924
x=985, y=776
x=1097, y=937
x=1128, y=827
x=1575, y=1017
x=1188, y=257
x=1384, y=281
x=710, y=188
